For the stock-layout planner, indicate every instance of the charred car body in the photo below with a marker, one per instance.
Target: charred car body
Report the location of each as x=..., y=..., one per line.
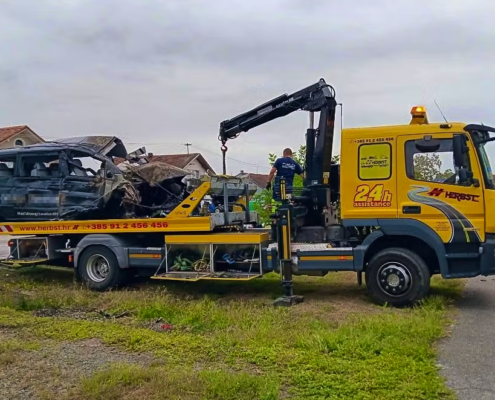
x=77, y=179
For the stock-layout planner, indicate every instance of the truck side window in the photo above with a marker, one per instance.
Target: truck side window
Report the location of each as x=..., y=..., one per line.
x=435, y=166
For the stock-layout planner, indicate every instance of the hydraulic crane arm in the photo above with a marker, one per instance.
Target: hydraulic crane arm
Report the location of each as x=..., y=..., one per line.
x=313, y=98
x=319, y=97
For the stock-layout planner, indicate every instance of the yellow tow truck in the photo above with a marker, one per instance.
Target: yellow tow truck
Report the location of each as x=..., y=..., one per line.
x=379, y=213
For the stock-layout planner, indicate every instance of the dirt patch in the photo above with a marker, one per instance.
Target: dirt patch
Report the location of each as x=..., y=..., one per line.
x=79, y=313
x=56, y=368
x=68, y=313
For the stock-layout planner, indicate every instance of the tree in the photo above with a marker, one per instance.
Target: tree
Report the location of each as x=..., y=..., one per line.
x=263, y=201
x=428, y=167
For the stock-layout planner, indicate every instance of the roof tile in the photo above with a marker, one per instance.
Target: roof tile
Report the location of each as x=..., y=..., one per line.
x=9, y=131
x=259, y=179
x=177, y=160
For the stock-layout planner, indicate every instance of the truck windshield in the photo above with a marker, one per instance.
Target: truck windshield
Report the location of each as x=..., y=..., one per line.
x=485, y=146
x=485, y=165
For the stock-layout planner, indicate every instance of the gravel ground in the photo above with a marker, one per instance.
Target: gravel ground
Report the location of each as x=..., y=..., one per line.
x=468, y=357
x=50, y=372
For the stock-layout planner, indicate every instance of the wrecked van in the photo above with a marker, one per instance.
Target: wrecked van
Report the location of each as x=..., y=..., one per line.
x=77, y=179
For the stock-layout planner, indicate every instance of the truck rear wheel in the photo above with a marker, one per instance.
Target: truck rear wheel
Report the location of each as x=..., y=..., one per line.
x=398, y=277
x=99, y=269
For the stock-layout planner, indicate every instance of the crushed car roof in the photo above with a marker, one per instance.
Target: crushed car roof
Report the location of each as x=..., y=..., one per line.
x=110, y=146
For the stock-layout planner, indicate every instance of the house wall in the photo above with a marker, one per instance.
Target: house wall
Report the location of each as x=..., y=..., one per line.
x=195, y=166
x=27, y=137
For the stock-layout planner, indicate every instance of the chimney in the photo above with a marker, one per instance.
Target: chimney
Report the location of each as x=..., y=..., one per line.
x=150, y=154
x=242, y=171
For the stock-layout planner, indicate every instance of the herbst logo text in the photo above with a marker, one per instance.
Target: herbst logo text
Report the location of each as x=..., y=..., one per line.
x=454, y=195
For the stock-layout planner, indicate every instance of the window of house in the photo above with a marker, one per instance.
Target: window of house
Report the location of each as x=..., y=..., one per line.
x=375, y=161
x=19, y=143
x=431, y=166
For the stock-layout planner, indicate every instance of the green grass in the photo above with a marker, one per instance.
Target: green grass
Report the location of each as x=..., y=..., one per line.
x=164, y=383
x=9, y=348
x=228, y=342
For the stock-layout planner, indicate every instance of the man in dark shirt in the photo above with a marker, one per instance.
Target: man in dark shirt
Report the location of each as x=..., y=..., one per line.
x=286, y=168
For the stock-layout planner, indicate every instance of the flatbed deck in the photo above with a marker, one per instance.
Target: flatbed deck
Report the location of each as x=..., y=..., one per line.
x=132, y=225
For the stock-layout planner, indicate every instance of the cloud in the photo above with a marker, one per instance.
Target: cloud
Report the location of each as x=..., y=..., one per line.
x=168, y=72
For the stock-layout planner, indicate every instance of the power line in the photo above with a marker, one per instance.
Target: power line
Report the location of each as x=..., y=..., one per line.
x=231, y=158
x=201, y=149
x=176, y=145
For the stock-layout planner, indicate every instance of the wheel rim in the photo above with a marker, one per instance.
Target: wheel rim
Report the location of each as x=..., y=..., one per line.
x=98, y=268
x=394, y=279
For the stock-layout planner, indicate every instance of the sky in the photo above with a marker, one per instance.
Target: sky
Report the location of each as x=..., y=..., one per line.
x=163, y=73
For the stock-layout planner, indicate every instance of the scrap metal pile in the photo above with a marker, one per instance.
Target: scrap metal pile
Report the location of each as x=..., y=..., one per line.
x=63, y=186
x=151, y=189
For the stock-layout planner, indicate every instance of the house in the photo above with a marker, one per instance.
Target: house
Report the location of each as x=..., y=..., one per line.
x=194, y=163
x=260, y=180
x=18, y=136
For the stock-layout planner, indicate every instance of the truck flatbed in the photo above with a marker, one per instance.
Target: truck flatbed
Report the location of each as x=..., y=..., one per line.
x=133, y=225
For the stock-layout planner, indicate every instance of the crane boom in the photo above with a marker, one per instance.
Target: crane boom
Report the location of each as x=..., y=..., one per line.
x=312, y=98
x=319, y=97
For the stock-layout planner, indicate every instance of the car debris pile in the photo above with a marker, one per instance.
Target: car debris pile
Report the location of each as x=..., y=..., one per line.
x=151, y=189
x=133, y=188
x=93, y=177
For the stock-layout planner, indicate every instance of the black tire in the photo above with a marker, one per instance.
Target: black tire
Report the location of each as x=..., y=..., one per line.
x=99, y=269
x=398, y=277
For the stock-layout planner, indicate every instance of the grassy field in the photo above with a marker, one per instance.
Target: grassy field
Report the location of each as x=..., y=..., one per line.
x=215, y=340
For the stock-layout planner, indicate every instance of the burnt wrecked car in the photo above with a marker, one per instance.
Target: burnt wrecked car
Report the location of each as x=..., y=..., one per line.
x=77, y=179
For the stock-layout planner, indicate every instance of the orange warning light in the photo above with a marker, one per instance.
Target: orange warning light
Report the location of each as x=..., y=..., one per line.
x=418, y=114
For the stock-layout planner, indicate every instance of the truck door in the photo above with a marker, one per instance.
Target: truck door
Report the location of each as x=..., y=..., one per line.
x=428, y=190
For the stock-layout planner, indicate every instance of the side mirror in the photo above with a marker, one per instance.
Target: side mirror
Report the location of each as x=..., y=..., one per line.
x=460, y=148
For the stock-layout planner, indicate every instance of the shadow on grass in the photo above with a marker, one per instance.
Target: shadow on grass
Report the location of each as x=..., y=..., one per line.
x=342, y=285
x=40, y=274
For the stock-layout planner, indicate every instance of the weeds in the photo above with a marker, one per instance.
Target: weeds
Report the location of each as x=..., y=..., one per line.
x=227, y=342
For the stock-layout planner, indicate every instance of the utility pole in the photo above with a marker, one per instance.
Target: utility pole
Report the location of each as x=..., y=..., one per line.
x=187, y=146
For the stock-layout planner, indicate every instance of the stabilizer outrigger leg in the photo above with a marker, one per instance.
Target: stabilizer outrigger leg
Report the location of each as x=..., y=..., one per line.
x=283, y=218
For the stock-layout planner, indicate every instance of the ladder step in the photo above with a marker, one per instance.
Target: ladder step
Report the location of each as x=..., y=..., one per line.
x=25, y=262
x=195, y=276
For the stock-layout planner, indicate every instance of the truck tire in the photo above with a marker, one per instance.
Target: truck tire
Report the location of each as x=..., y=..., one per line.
x=398, y=277
x=99, y=269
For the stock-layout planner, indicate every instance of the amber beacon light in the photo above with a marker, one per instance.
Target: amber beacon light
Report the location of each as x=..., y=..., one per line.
x=418, y=114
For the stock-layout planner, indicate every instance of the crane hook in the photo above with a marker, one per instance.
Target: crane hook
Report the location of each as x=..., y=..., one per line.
x=224, y=149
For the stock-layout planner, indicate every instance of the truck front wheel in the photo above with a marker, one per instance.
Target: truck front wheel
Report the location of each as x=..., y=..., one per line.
x=398, y=277
x=99, y=269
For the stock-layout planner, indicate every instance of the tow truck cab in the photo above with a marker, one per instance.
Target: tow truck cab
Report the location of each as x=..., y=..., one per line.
x=415, y=200
x=430, y=184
